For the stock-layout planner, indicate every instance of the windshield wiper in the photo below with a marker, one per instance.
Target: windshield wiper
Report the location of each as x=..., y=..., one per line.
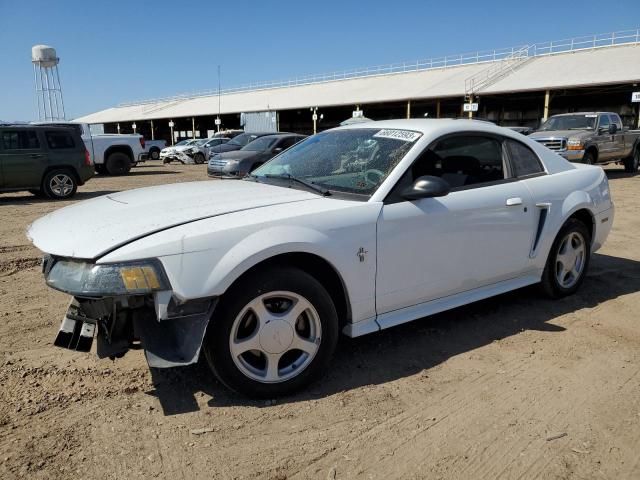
x=287, y=176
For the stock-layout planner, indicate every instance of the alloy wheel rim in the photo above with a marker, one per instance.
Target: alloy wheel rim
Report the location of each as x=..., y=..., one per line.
x=570, y=259
x=275, y=337
x=61, y=185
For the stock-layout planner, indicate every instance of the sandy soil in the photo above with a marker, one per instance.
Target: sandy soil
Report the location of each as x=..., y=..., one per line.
x=514, y=387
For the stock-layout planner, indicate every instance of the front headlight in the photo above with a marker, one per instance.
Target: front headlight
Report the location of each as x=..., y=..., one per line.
x=88, y=279
x=575, y=144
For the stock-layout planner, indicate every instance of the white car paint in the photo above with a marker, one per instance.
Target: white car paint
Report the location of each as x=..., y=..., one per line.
x=421, y=256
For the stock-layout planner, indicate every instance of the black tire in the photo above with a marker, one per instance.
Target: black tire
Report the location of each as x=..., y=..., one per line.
x=154, y=153
x=550, y=283
x=199, y=158
x=216, y=344
x=589, y=157
x=631, y=163
x=59, y=184
x=118, y=163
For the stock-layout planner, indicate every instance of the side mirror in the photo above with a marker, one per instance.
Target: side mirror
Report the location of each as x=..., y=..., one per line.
x=426, y=187
x=613, y=128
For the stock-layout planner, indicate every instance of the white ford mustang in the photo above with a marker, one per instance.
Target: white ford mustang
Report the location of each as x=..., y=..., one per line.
x=355, y=229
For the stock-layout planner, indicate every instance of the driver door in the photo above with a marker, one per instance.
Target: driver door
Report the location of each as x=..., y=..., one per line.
x=480, y=233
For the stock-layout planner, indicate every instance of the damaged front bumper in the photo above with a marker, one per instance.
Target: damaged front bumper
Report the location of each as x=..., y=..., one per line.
x=170, y=332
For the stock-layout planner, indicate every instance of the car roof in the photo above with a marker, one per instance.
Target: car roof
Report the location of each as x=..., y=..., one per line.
x=284, y=135
x=39, y=126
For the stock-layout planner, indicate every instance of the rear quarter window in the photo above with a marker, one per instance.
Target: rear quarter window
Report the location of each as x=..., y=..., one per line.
x=59, y=140
x=523, y=160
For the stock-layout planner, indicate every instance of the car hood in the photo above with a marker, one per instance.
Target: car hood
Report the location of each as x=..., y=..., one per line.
x=561, y=134
x=90, y=229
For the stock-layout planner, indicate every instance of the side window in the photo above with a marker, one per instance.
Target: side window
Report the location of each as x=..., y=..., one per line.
x=20, y=140
x=59, y=140
x=287, y=142
x=604, y=121
x=616, y=119
x=523, y=160
x=462, y=160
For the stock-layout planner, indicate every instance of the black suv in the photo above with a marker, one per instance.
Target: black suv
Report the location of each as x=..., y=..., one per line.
x=45, y=160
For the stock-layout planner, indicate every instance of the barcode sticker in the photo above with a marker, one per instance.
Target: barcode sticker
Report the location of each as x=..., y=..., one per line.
x=404, y=135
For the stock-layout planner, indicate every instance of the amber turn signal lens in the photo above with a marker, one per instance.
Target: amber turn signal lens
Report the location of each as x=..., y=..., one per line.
x=139, y=278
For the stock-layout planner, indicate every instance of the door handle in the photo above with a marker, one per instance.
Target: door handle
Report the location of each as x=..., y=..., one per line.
x=512, y=202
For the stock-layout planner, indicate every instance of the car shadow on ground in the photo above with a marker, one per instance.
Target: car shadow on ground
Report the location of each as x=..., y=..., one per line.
x=30, y=199
x=158, y=170
x=619, y=173
x=417, y=346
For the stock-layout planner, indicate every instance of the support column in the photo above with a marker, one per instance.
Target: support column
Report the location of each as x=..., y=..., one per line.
x=438, y=109
x=408, y=108
x=470, y=102
x=118, y=128
x=152, y=134
x=193, y=127
x=547, y=95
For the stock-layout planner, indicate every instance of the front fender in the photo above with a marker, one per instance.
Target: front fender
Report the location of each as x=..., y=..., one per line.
x=262, y=245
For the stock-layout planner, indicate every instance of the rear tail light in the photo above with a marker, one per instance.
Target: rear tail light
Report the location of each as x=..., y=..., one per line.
x=142, y=142
x=87, y=157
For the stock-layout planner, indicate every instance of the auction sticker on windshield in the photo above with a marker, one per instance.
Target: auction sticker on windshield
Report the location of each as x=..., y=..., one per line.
x=404, y=135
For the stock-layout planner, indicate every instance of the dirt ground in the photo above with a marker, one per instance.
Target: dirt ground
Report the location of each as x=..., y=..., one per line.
x=513, y=387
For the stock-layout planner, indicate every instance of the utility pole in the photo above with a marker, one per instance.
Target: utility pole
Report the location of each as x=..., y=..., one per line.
x=314, y=117
x=547, y=95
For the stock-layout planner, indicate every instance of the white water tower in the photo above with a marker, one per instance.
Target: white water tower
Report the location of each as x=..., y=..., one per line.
x=47, y=83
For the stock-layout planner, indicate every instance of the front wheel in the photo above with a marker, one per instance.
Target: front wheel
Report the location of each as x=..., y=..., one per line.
x=568, y=260
x=272, y=333
x=198, y=158
x=631, y=163
x=589, y=158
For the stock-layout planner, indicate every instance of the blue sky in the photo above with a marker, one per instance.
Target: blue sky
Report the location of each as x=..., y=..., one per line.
x=115, y=51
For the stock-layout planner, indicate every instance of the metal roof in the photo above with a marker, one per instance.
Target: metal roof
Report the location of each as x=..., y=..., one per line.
x=568, y=68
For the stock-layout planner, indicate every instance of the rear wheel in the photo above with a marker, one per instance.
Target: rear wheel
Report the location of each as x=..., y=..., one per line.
x=631, y=163
x=568, y=260
x=154, y=154
x=59, y=184
x=272, y=333
x=118, y=163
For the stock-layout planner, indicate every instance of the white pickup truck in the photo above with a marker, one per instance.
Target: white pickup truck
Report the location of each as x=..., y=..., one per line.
x=112, y=154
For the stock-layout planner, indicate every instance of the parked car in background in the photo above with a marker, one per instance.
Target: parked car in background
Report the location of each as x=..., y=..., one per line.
x=228, y=133
x=185, y=152
x=239, y=141
x=153, y=148
x=261, y=275
x=214, y=141
x=592, y=138
x=112, y=154
x=46, y=160
x=239, y=163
